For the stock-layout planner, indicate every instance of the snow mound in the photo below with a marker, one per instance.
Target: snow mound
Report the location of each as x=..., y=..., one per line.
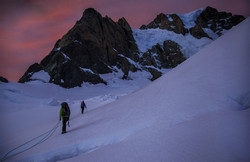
x=41, y=76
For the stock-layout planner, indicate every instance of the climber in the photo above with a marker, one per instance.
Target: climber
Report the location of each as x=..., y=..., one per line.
x=83, y=105
x=65, y=114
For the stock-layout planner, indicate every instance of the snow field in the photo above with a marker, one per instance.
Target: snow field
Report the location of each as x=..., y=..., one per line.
x=198, y=111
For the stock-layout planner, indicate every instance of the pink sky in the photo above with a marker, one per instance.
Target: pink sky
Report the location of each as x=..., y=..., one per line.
x=30, y=28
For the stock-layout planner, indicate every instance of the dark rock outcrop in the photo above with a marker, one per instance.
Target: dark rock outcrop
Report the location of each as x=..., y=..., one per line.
x=154, y=72
x=170, y=22
x=28, y=74
x=167, y=56
x=198, y=32
x=125, y=65
x=4, y=80
x=175, y=56
x=217, y=21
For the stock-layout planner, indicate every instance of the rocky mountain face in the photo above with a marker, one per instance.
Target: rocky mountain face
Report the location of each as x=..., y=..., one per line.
x=91, y=47
x=98, y=45
x=171, y=22
x=209, y=18
x=167, y=56
x=216, y=21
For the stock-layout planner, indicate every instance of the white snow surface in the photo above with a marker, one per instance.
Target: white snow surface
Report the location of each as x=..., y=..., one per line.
x=199, y=111
x=41, y=75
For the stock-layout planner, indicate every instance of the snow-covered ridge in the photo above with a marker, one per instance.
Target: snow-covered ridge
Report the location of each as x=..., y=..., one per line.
x=189, y=18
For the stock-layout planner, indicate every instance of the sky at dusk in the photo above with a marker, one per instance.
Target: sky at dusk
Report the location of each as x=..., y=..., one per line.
x=30, y=28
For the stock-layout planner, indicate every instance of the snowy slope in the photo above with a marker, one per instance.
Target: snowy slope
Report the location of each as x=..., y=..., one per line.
x=198, y=111
x=191, y=114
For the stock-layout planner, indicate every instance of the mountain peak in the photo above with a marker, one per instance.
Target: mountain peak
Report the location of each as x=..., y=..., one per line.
x=90, y=14
x=91, y=47
x=90, y=11
x=211, y=9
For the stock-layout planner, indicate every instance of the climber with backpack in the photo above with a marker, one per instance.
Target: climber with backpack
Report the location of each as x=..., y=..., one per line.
x=83, y=105
x=65, y=114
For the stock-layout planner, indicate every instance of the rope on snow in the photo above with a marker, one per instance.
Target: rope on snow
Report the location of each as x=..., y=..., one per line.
x=46, y=135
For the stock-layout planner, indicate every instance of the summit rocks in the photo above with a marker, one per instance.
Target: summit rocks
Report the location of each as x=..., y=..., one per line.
x=209, y=18
x=170, y=22
x=218, y=21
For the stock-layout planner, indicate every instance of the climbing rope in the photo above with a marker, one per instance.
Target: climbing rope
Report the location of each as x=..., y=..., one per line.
x=46, y=135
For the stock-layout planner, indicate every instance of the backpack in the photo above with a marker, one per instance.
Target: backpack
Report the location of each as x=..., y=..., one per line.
x=83, y=104
x=65, y=109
